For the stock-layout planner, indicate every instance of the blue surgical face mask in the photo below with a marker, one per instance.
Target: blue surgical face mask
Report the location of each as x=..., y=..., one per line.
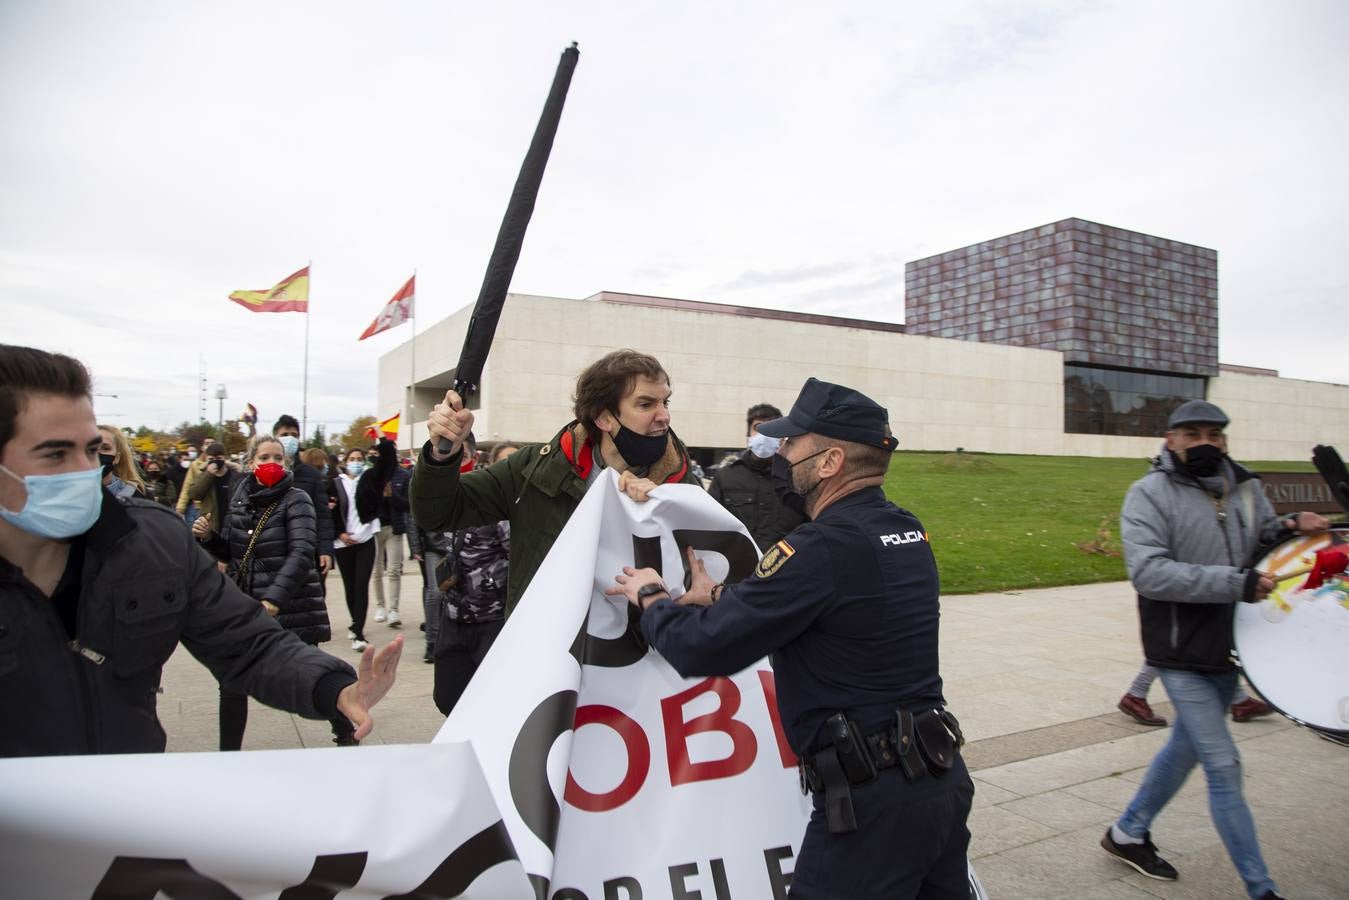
x=354, y=469
x=58, y=506
x=289, y=444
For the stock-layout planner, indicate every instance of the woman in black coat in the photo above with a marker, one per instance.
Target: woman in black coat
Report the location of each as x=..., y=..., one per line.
x=267, y=539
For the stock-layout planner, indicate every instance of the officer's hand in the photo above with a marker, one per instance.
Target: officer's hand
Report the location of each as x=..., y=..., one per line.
x=1263, y=586
x=451, y=421
x=374, y=676
x=635, y=486
x=700, y=589
x=631, y=581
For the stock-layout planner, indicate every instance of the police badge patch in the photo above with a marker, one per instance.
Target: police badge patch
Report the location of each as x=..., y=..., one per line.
x=774, y=559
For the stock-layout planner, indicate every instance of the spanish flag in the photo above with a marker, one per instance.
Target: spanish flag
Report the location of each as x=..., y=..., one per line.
x=388, y=428
x=289, y=295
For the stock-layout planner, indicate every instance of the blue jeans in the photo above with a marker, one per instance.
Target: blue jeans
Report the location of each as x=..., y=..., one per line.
x=1200, y=735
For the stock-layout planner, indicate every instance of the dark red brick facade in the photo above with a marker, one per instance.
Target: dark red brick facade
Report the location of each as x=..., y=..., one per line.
x=1103, y=296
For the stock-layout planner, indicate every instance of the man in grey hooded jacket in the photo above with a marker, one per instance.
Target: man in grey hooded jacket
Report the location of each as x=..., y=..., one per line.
x=1191, y=528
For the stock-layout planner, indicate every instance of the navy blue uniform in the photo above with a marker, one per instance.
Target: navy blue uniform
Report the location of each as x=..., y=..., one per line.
x=847, y=606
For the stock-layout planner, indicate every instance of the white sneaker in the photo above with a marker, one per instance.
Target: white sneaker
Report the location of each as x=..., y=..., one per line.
x=379, y=614
x=351, y=634
x=395, y=621
x=359, y=645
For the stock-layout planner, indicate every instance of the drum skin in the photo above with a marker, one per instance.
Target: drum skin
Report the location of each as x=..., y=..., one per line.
x=1294, y=644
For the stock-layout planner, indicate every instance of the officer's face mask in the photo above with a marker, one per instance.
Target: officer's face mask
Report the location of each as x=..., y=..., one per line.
x=784, y=482
x=58, y=506
x=639, y=450
x=763, y=446
x=1201, y=460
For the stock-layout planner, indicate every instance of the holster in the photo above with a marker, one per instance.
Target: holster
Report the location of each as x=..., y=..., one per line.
x=837, y=792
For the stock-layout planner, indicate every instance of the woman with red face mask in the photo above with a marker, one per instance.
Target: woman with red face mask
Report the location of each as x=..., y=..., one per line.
x=267, y=540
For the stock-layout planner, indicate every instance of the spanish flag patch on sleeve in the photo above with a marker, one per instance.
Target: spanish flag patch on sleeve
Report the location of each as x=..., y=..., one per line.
x=774, y=559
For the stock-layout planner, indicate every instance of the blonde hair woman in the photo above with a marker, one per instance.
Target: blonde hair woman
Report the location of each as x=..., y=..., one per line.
x=267, y=536
x=120, y=475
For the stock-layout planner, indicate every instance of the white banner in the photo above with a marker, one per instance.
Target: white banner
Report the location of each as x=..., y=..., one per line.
x=265, y=824
x=666, y=787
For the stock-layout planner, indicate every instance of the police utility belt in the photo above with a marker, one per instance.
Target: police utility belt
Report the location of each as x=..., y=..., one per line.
x=920, y=744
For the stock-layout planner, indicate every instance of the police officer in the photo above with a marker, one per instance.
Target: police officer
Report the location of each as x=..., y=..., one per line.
x=847, y=605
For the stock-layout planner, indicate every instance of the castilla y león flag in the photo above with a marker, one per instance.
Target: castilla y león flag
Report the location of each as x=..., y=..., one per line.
x=396, y=311
x=288, y=295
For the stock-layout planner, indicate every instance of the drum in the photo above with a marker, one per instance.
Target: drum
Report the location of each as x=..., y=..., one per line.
x=1294, y=644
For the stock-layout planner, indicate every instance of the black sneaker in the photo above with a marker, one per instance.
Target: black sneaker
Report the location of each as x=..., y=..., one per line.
x=1270, y=895
x=346, y=740
x=429, y=655
x=1142, y=857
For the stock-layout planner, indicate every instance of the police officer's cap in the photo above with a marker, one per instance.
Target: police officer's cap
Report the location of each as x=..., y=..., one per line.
x=1193, y=411
x=834, y=411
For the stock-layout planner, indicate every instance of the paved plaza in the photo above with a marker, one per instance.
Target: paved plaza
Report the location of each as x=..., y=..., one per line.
x=1034, y=677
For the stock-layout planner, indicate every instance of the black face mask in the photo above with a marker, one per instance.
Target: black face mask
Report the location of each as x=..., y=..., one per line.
x=107, y=460
x=1201, y=461
x=783, y=486
x=639, y=449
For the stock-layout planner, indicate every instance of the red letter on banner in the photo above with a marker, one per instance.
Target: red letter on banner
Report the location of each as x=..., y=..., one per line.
x=770, y=692
x=683, y=770
x=638, y=753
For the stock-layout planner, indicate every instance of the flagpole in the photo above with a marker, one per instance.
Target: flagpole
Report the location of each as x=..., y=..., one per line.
x=304, y=390
x=412, y=375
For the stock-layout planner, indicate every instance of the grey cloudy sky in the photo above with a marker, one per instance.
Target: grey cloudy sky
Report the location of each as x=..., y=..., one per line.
x=157, y=155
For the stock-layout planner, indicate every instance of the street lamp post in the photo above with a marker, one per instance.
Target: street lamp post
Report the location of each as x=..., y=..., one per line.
x=221, y=394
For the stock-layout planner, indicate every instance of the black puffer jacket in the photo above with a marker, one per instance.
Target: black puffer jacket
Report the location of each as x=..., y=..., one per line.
x=281, y=569
x=745, y=487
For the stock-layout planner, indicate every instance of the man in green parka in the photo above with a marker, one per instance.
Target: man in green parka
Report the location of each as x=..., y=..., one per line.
x=622, y=410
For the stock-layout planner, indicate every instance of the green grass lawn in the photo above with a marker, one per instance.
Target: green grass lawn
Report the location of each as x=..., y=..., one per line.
x=1006, y=522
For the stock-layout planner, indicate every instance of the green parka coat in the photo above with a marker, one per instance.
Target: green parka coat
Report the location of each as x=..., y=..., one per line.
x=535, y=489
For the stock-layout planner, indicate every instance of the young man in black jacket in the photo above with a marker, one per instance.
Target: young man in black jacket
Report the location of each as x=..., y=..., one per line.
x=95, y=593
x=311, y=480
x=745, y=484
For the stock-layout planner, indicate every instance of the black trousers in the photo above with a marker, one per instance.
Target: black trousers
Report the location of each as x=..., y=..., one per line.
x=356, y=563
x=460, y=649
x=234, y=719
x=910, y=844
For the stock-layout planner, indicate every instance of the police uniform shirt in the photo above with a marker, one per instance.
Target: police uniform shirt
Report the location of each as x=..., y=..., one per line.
x=847, y=606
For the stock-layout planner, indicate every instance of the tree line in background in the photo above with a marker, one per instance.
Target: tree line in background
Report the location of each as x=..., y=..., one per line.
x=234, y=436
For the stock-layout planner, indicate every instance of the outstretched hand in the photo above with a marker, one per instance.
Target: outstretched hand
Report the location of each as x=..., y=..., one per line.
x=374, y=676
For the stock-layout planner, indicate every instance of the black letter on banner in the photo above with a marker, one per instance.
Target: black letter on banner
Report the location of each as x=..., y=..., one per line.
x=330, y=876
x=146, y=877
x=570, y=894
x=679, y=875
x=779, y=879
x=736, y=547
x=533, y=797
x=631, y=889
x=629, y=647
x=466, y=862
x=719, y=885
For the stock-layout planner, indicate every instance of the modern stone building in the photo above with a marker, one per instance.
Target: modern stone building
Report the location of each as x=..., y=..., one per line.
x=1135, y=316
x=1071, y=339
